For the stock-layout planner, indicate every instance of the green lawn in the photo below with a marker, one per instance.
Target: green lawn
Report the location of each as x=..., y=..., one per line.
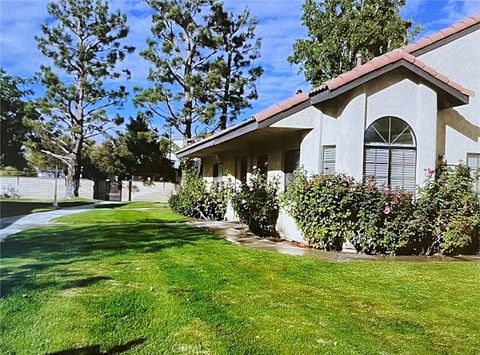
x=170, y=288
x=20, y=206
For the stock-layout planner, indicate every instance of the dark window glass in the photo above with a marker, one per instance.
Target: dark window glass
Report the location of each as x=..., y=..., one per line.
x=389, y=130
x=242, y=169
x=262, y=164
x=217, y=170
x=292, y=158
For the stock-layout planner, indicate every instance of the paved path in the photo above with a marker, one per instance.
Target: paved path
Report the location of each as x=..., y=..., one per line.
x=239, y=234
x=15, y=224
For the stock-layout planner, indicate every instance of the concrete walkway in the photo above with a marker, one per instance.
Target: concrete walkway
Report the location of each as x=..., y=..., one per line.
x=239, y=234
x=15, y=224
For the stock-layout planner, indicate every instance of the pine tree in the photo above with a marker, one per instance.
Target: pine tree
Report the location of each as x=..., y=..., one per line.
x=232, y=74
x=14, y=112
x=84, y=43
x=193, y=82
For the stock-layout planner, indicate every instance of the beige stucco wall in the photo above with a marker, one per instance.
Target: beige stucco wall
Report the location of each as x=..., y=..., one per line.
x=459, y=127
x=345, y=122
x=413, y=102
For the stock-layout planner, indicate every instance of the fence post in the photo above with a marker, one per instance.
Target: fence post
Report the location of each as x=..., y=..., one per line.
x=130, y=189
x=55, y=202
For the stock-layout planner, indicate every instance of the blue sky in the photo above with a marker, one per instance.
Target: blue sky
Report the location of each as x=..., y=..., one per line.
x=279, y=26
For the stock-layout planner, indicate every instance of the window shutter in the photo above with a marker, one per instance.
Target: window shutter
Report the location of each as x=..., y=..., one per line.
x=329, y=160
x=473, y=161
x=402, y=169
x=376, y=165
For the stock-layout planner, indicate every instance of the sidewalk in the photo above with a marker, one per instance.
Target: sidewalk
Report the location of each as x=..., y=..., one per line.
x=237, y=233
x=17, y=224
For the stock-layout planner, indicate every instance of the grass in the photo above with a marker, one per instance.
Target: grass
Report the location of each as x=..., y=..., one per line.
x=125, y=214
x=19, y=206
x=170, y=288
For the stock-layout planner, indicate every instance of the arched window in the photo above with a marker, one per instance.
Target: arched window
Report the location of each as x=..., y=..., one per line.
x=390, y=153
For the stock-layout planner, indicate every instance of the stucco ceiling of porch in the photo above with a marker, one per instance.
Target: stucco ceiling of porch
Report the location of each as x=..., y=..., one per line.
x=255, y=142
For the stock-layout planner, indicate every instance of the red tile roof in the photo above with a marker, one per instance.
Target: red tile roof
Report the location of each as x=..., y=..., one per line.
x=281, y=106
x=382, y=61
x=405, y=54
x=446, y=32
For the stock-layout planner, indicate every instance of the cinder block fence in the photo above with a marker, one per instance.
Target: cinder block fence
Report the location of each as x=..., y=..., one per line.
x=40, y=188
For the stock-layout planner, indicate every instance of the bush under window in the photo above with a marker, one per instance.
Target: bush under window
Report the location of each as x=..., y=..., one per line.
x=330, y=209
x=256, y=204
x=194, y=198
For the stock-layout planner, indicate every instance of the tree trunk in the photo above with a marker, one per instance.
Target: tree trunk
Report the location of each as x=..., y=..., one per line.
x=226, y=94
x=188, y=94
x=74, y=168
x=73, y=180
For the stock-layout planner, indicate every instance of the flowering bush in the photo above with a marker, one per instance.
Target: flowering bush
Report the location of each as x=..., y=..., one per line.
x=256, y=204
x=322, y=208
x=447, y=216
x=195, y=199
x=381, y=220
x=334, y=208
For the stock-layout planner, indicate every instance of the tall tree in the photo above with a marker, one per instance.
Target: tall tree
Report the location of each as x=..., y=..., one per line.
x=14, y=110
x=192, y=39
x=231, y=73
x=147, y=150
x=339, y=30
x=84, y=43
x=139, y=151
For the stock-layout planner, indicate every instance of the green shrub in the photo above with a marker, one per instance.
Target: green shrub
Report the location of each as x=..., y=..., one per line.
x=197, y=200
x=330, y=209
x=322, y=208
x=216, y=201
x=447, y=215
x=333, y=208
x=381, y=220
x=256, y=204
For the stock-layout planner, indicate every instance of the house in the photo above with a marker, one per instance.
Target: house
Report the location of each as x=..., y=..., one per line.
x=391, y=118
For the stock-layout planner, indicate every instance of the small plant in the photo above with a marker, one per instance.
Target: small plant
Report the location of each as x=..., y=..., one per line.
x=216, y=201
x=256, y=204
x=447, y=217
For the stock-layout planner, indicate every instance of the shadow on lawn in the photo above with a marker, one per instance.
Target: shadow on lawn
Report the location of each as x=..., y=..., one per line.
x=95, y=349
x=54, y=248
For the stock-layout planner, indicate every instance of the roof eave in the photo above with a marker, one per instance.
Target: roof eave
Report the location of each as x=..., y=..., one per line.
x=234, y=132
x=459, y=97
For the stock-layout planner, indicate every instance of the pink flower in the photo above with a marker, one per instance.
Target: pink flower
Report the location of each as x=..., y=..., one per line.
x=387, y=210
x=429, y=171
